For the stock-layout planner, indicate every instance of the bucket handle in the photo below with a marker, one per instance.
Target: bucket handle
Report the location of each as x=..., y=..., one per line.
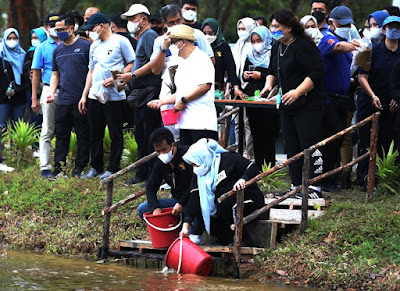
x=180, y=254
x=164, y=229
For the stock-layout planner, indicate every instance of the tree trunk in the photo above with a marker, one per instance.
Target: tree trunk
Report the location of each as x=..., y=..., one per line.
x=68, y=5
x=227, y=16
x=295, y=5
x=18, y=10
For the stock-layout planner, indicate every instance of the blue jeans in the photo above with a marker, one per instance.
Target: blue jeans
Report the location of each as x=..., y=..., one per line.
x=12, y=112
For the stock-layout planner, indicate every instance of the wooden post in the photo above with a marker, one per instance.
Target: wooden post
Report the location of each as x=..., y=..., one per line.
x=372, y=157
x=240, y=139
x=238, y=233
x=107, y=218
x=304, y=190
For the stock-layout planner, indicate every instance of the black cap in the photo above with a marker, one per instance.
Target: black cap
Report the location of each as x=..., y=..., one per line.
x=95, y=19
x=75, y=14
x=52, y=18
x=119, y=22
x=155, y=17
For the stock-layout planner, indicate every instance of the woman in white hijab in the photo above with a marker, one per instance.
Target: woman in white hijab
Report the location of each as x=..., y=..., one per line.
x=310, y=25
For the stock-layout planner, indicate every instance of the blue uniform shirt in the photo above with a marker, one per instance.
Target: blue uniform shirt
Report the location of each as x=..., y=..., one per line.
x=43, y=59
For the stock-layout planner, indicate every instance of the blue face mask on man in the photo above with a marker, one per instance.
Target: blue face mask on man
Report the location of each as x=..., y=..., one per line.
x=63, y=35
x=393, y=33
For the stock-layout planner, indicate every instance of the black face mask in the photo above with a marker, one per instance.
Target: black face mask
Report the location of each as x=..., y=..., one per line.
x=320, y=16
x=158, y=29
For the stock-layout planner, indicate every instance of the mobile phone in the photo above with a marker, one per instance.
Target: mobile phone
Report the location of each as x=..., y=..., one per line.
x=252, y=68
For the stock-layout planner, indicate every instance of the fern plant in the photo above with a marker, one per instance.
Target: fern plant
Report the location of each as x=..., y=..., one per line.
x=129, y=154
x=73, y=144
x=273, y=181
x=388, y=171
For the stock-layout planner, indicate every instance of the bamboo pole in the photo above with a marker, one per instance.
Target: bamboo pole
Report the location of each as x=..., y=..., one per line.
x=372, y=157
x=228, y=114
x=123, y=202
x=304, y=190
x=238, y=233
x=128, y=168
x=106, y=226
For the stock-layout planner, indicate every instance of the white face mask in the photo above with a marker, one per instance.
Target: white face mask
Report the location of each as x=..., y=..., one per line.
x=190, y=15
x=375, y=32
x=52, y=32
x=211, y=38
x=76, y=27
x=94, y=35
x=343, y=32
x=166, y=158
x=258, y=47
x=35, y=42
x=12, y=43
x=133, y=27
x=243, y=34
x=312, y=32
x=200, y=171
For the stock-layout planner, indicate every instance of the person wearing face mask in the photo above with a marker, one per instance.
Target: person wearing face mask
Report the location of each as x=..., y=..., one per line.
x=108, y=51
x=41, y=71
x=144, y=84
x=119, y=26
x=70, y=67
x=376, y=94
x=296, y=67
x=224, y=62
x=157, y=24
x=189, y=13
x=319, y=9
x=78, y=19
x=218, y=171
x=240, y=51
x=165, y=58
x=375, y=21
x=13, y=107
x=194, y=96
x=264, y=122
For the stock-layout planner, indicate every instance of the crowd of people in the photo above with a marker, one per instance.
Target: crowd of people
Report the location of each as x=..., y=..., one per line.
x=83, y=73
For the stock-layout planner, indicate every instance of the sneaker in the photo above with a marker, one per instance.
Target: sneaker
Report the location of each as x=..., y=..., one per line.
x=46, y=174
x=36, y=154
x=91, y=174
x=195, y=238
x=133, y=181
x=57, y=173
x=279, y=195
x=312, y=194
x=106, y=174
x=78, y=173
x=165, y=187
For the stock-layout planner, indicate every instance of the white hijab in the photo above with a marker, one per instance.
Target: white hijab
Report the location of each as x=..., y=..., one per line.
x=243, y=47
x=317, y=35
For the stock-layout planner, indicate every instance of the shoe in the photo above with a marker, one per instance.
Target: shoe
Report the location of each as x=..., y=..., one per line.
x=36, y=154
x=77, y=173
x=195, y=238
x=165, y=187
x=312, y=194
x=57, y=173
x=279, y=195
x=91, y=174
x=332, y=188
x=133, y=181
x=106, y=174
x=46, y=174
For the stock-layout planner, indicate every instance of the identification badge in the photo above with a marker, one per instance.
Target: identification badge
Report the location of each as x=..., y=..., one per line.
x=221, y=176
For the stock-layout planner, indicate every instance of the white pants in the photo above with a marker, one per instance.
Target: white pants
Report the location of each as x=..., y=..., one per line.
x=48, y=126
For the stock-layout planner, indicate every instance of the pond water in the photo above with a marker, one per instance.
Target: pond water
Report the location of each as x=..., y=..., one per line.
x=33, y=271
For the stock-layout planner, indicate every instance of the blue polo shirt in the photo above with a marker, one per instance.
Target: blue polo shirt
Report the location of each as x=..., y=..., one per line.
x=43, y=59
x=337, y=66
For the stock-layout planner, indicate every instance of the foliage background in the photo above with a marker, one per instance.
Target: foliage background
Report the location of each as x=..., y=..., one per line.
x=28, y=14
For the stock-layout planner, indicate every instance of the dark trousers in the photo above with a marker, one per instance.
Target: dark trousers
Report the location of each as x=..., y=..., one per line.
x=190, y=136
x=147, y=120
x=100, y=115
x=301, y=129
x=264, y=126
x=67, y=117
x=334, y=120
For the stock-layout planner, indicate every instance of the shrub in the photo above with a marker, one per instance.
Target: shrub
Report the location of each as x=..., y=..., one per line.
x=273, y=181
x=388, y=171
x=129, y=154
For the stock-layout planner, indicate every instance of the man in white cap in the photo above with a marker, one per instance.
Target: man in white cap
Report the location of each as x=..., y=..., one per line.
x=194, y=97
x=144, y=84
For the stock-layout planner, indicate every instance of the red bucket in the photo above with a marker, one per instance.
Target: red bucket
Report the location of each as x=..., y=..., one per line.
x=169, y=117
x=188, y=258
x=163, y=228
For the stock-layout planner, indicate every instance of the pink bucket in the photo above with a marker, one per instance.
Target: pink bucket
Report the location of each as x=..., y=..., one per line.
x=169, y=117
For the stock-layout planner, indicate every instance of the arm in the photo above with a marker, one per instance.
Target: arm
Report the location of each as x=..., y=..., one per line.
x=346, y=47
x=54, y=81
x=196, y=94
x=363, y=79
x=152, y=187
x=82, y=103
x=36, y=74
x=160, y=53
x=269, y=85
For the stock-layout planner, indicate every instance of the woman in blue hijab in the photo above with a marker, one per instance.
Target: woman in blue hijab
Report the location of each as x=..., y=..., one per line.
x=13, y=107
x=264, y=122
x=217, y=172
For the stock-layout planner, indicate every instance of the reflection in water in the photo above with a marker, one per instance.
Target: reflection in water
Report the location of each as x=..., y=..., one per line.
x=33, y=271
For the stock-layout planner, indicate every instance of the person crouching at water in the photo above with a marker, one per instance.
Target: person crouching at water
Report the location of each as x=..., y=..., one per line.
x=217, y=172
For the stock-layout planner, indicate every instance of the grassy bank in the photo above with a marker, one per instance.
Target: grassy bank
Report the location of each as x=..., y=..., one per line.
x=354, y=245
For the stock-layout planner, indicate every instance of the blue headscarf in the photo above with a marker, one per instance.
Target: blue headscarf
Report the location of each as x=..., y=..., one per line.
x=14, y=56
x=41, y=34
x=379, y=16
x=206, y=153
x=262, y=58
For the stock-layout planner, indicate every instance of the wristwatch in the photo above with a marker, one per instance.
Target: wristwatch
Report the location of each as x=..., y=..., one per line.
x=163, y=50
x=184, y=101
x=133, y=76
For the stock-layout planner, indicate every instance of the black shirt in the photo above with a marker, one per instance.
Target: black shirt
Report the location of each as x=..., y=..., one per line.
x=195, y=25
x=232, y=168
x=224, y=62
x=5, y=79
x=297, y=61
x=179, y=178
x=253, y=84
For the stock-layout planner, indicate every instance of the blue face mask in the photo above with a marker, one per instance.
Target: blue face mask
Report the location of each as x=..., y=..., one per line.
x=277, y=35
x=62, y=35
x=393, y=33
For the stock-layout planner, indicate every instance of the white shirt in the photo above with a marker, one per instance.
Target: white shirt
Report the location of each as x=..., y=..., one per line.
x=193, y=71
